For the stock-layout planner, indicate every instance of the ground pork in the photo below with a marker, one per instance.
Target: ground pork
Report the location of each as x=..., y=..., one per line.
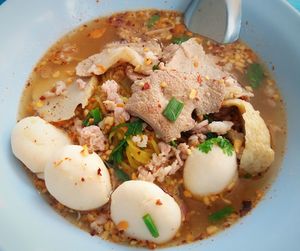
x=200, y=127
x=196, y=139
x=98, y=224
x=140, y=140
x=93, y=137
x=168, y=162
x=114, y=102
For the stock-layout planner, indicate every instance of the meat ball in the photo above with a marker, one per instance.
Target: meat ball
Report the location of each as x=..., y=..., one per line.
x=33, y=141
x=134, y=199
x=78, y=179
x=209, y=173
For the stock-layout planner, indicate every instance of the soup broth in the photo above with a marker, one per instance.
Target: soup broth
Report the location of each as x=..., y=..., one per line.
x=59, y=64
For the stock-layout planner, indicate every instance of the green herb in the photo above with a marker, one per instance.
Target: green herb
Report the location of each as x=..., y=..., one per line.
x=221, y=214
x=133, y=128
x=180, y=40
x=255, y=75
x=120, y=174
x=223, y=143
x=152, y=20
x=150, y=225
x=155, y=67
x=173, y=143
x=211, y=135
x=116, y=155
x=95, y=114
x=173, y=109
x=208, y=117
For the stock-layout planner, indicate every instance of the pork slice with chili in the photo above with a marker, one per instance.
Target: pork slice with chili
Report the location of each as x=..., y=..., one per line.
x=152, y=94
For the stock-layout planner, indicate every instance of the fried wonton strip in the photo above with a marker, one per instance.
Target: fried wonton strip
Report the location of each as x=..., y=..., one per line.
x=258, y=154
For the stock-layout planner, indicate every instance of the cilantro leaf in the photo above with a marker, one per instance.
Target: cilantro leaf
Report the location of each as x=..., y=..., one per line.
x=255, y=75
x=223, y=143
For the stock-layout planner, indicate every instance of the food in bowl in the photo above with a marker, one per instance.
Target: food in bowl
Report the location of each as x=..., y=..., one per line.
x=143, y=133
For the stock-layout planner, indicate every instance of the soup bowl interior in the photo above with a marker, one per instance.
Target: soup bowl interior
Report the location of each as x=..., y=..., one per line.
x=29, y=223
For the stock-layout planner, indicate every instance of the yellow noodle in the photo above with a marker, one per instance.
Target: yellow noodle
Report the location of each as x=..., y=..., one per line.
x=137, y=153
x=154, y=145
x=132, y=162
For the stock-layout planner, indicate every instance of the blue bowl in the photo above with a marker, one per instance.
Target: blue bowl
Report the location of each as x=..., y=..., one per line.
x=28, y=223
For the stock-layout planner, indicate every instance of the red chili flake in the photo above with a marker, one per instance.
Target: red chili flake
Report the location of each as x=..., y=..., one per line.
x=82, y=179
x=146, y=86
x=158, y=202
x=99, y=172
x=159, y=105
x=42, y=97
x=199, y=79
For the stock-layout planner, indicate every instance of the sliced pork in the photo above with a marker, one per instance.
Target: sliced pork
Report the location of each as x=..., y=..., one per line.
x=152, y=94
x=60, y=102
x=143, y=56
x=191, y=58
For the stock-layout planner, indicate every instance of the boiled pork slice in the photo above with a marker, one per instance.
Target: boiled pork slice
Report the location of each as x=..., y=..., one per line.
x=152, y=94
x=191, y=58
x=61, y=106
x=143, y=56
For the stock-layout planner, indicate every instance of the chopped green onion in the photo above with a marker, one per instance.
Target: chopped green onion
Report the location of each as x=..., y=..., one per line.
x=155, y=67
x=95, y=114
x=255, y=75
x=173, y=109
x=152, y=20
x=223, y=143
x=116, y=155
x=180, y=40
x=221, y=214
x=150, y=225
